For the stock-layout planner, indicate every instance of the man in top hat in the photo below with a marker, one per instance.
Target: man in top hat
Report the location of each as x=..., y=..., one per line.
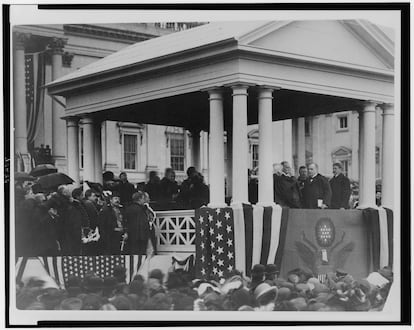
x=114, y=233
x=341, y=188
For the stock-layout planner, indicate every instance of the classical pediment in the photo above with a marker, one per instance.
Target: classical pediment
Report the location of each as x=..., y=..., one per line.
x=349, y=42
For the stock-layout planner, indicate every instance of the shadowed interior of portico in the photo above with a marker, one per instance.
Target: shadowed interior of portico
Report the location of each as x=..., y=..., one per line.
x=191, y=110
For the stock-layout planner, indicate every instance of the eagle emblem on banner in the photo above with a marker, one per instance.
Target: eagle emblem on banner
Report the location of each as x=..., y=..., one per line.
x=328, y=254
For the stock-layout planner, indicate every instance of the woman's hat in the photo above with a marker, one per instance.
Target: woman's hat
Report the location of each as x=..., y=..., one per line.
x=264, y=288
x=203, y=288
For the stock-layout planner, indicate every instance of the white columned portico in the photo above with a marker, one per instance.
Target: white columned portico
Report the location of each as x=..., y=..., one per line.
x=195, y=150
x=367, y=198
x=19, y=95
x=240, y=146
x=216, y=149
x=88, y=151
x=73, y=148
x=387, y=191
x=265, y=147
x=58, y=124
x=98, y=152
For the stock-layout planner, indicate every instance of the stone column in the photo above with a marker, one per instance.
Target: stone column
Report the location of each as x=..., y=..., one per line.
x=240, y=146
x=387, y=191
x=360, y=154
x=98, y=152
x=301, y=144
x=88, y=151
x=216, y=149
x=19, y=95
x=58, y=124
x=73, y=148
x=265, y=147
x=195, y=150
x=367, y=198
x=229, y=163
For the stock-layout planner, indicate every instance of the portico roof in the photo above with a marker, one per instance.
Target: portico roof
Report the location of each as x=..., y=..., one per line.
x=319, y=67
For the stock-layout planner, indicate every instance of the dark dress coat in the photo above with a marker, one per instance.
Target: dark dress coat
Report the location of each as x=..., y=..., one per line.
x=92, y=248
x=287, y=191
x=48, y=239
x=166, y=193
x=26, y=221
x=73, y=219
x=198, y=195
x=153, y=190
x=126, y=190
x=138, y=228
x=316, y=188
x=111, y=233
x=341, y=191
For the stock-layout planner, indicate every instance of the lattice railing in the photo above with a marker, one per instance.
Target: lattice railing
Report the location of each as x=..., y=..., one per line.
x=175, y=231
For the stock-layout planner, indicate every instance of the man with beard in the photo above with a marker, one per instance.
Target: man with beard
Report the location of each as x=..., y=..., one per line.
x=114, y=233
x=138, y=224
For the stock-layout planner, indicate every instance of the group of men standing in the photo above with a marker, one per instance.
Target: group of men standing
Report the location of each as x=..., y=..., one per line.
x=311, y=190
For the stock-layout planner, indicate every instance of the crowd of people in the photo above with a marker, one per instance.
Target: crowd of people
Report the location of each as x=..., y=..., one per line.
x=115, y=218
x=310, y=190
x=179, y=290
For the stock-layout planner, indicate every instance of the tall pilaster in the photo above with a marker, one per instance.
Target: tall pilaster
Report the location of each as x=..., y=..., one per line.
x=195, y=149
x=300, y=140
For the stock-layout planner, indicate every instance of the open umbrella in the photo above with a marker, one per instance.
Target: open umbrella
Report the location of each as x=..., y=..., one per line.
x=23, y=176
x=43, y=169
x=51, y=181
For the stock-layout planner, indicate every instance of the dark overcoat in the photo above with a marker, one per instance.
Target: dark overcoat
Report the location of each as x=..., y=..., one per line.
x=138, y=228
x=111, y=238
x=341, y=192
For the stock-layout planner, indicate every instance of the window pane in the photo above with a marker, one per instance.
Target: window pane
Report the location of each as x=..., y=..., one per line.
x=130, y=151
x=177, y=152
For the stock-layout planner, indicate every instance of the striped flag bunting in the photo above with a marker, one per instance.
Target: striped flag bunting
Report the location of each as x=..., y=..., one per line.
x=61, y=268
x=238, y=237
x=380, y=236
